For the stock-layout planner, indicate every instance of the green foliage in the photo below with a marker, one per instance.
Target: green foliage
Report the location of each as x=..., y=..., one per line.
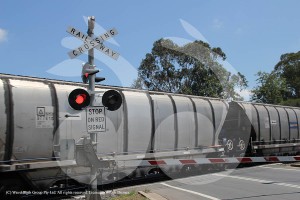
x=138, y=83
x=282, y=85
x=271, y=89
x=291, y=102
x=289, y=68
x=190, y=69
x=132, y=195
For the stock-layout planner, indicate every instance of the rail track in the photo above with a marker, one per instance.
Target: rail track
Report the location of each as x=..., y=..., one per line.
x=78, y=192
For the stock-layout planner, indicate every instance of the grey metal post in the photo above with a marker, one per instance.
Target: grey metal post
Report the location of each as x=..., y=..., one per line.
x=93, y=136
x=90, y=32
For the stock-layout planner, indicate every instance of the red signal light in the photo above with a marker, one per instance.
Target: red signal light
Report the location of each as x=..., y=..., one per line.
x=79, y=99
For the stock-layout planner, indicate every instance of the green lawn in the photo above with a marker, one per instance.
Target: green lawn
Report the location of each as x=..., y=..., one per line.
x=131, y=196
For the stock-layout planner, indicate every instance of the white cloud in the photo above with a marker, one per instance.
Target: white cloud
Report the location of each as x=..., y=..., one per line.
x=217, y=24
x=3, y=35
x=246, y=94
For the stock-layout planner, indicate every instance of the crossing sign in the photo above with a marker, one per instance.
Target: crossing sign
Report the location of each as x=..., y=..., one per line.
x=90, y=43
x=95, y=119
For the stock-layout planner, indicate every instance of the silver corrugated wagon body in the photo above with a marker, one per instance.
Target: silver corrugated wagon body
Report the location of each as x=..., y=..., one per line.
x=3, y=121
x=30, y=140
x=186, y=122
x=35, y=117
x=269, y=129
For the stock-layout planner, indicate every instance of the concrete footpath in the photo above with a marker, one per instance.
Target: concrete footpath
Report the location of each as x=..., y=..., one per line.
x=152, y=196
x=297, y=164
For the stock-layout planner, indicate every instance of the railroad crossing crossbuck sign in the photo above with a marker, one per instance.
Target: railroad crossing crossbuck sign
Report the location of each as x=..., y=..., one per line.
x=90, y=43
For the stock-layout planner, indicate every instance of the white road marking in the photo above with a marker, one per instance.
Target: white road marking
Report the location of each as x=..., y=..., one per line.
x=108, y=192
x=79, y=197
x=258, y=180
x=271, y=164
x=190, y=191
x=280, y=168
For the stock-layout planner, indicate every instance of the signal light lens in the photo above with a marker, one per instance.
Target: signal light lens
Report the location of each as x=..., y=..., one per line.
x=112, y=100
x=79, y=99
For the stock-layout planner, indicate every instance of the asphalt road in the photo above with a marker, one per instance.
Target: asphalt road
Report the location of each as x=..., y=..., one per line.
x=268, y=182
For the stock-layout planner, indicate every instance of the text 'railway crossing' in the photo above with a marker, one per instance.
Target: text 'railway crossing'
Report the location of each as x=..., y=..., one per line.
x=90, y=43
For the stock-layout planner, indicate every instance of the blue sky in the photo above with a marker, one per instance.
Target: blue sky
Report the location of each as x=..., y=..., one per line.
x=253, y=34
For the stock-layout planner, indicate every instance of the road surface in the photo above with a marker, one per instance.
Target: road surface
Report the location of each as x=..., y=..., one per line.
x=267, y=182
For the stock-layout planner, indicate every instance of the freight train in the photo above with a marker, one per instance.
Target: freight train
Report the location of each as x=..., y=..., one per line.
x=36, y=118
x=256, y=129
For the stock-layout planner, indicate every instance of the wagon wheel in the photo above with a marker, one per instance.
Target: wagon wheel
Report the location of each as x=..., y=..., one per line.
x=242, y=145
x=229, y=145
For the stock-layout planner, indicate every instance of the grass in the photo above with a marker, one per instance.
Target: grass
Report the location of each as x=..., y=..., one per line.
x=133, y=195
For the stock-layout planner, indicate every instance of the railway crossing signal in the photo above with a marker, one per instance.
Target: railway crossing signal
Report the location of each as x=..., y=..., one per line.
x=89, y=70
x=90, y=43
x=112, y=100
x=79, y=99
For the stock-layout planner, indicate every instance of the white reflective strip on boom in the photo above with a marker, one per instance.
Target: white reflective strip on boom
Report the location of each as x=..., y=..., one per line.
x=151, y=163
x=198, y=161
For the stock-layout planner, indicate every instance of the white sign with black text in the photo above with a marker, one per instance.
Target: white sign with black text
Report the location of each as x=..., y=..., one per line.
x=90, y=43
x=95, y=119
x=44, y=117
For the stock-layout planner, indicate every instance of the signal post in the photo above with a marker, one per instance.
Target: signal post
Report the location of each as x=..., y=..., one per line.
x=93, y=135
x=80, y=99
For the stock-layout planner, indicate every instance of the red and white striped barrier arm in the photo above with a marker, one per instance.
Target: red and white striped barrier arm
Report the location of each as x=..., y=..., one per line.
x=197, y=161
